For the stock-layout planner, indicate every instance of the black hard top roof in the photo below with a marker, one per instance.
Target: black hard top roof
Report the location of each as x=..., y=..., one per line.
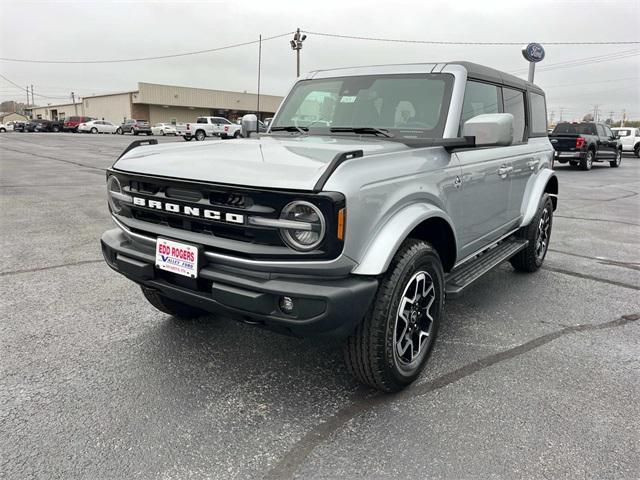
x=480, y=72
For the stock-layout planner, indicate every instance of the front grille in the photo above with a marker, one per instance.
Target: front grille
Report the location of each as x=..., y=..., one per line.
x=232, y=200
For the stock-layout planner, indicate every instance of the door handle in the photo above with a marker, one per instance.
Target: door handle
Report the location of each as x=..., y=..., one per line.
x=503, y=171
x=532, y=164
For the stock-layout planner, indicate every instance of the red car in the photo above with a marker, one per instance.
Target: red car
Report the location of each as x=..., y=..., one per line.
x=71, y=124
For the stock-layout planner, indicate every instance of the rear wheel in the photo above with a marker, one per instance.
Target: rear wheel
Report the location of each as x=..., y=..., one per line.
x=587, y=162
x=237, y=134
x=170, y=306
x=187, y=138
x=616, y=163
x=391, y=346
x=636, y=150
x=119, y=131
x=538, y=233
x=94, y=130
x=134, y=132
x=200, y=135
x=56, y=129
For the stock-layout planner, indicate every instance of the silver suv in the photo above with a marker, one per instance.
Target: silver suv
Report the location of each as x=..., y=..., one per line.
x=376, y=193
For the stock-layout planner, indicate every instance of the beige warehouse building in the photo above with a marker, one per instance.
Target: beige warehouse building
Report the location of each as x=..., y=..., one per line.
x=163, y=104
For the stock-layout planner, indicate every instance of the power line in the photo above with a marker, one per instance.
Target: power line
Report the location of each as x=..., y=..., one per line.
x=443, y=42
x=27, y=90
x=142, y=59
x=584, y=61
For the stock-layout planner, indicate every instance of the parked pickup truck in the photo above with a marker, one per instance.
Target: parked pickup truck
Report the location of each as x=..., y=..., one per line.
x=208, y=127
x=630, y=139
x=408, y=184
x=583, y=143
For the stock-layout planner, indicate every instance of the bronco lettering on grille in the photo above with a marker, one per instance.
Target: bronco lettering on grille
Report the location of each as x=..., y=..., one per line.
x=215, y=215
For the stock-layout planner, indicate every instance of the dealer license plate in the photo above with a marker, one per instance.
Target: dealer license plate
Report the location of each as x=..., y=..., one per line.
x=176, y=257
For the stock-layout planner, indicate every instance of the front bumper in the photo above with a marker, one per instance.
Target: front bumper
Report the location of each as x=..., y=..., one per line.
x=322, y=305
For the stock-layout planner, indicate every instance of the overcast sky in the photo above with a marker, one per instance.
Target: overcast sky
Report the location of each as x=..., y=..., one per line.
x=101, y=29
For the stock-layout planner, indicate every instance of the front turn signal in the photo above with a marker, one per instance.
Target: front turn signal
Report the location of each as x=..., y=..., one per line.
x=340, y=232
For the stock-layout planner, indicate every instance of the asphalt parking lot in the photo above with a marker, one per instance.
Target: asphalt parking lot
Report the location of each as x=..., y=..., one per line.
x=533, y=376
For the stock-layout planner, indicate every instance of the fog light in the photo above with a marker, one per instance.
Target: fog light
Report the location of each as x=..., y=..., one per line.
x=286, y=304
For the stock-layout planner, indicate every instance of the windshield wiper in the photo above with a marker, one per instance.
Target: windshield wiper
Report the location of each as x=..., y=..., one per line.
x=363, y=130
x=290, y=128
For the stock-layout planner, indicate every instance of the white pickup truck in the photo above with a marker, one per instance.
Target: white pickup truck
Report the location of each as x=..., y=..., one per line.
x=208, y=127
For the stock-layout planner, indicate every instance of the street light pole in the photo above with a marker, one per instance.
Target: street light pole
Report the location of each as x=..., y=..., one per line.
x=296, y=44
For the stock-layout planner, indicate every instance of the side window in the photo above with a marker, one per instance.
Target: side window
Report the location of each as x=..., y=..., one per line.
x=201, y=120
x=608, y=131
x=514, y=104
x=600, y=130
x=538, y=122
x=479, y=98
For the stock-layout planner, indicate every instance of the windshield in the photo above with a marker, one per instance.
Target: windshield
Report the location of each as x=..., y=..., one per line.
x=410, y=106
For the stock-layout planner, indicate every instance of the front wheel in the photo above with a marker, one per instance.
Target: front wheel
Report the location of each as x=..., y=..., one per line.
x=172, y=307
x=200, y=135
x=119, y=131
x=616, y=163
x=94, y=130
x=538, y=234
x=391, y=346
x=636, y=151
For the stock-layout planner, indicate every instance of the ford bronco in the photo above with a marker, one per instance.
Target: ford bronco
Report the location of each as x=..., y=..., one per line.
x=376, y=193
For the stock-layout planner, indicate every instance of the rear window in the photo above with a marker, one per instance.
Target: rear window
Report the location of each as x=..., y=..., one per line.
x=575, y=129
x=74, y=119
x=623, y=133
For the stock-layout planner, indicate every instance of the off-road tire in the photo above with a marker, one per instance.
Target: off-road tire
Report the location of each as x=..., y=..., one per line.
x=527, y=260
x=370, y=351
x=170, y=306
x=616, y=163
x=587, y=162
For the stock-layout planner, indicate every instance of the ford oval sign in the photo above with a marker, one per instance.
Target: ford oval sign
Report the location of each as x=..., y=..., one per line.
x=534, y=52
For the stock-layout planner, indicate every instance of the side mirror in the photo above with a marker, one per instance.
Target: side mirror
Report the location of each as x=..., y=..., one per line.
x=249, y=124
x=490, y=129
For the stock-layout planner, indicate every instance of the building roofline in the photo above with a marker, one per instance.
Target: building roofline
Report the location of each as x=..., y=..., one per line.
x=207, y=89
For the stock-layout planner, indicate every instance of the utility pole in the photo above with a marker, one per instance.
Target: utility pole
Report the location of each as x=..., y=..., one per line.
x=33, y=100
x=27, y=96
x=611, y=117
x=624, y=117
x=595, y=113
x=296, y=44
x=552, y=115
x=73, y=100
x=561, y=112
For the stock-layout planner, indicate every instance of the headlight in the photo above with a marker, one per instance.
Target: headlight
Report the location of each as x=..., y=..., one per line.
x=114, y=190
x=308, y=238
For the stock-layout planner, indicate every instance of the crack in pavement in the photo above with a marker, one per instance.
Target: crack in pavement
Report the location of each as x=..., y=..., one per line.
x=600, y=260
x=47, y=157
x=598, y=220
x=50, y=267
x=362, y=401
x=590, y=277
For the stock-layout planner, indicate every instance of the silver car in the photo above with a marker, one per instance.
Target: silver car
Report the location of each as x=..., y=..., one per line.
x=376, y=193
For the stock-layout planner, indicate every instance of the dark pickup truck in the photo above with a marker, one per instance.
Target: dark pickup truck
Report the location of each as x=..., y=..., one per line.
x=583, y=143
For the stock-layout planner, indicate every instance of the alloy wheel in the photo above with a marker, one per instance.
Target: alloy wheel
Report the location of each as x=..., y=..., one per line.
x=542, y=236
x=414, y=321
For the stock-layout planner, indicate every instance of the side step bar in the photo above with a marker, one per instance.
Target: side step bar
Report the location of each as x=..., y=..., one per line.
x=470, y=271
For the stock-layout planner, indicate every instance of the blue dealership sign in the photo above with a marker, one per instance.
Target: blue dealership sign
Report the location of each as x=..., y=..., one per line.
x=534, y=52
